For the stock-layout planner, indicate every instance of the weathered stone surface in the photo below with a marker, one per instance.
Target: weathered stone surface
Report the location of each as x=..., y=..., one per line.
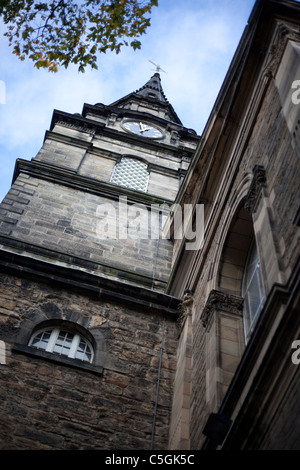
x=49, y=406
x=69, y=222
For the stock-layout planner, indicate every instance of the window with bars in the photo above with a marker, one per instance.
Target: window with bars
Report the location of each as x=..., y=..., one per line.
x=63, y=342
x=131, y=173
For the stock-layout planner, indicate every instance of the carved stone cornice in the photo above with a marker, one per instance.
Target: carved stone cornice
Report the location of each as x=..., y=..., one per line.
x=221, y=301
x=82, y=275
x=255, y=191
x=72, y=125
x=283, y=33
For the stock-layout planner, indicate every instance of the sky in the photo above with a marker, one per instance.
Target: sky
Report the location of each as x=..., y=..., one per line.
x=192, y=40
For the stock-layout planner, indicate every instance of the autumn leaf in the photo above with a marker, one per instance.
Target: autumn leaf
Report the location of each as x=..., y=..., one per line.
x=62, y=32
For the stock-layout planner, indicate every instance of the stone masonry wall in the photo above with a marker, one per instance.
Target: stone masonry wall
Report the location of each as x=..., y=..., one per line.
x=65, y=220
x=271, y=146
x=50, y=406
x=96, y=157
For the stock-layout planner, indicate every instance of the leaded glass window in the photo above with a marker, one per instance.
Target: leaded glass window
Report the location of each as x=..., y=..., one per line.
x=64, y=343
x=252, y=290
x=131, y=173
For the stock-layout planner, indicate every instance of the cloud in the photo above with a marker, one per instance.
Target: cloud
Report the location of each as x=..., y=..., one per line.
x=195, y=47
x=193, y=41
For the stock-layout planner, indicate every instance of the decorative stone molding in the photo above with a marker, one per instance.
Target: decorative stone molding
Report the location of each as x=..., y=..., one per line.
x=185, y=308
x=217, y=301
x=185, y=157
x=175, y=137
x=258, y=183
x=71, y=125
x=283, y=33
x=112, y=119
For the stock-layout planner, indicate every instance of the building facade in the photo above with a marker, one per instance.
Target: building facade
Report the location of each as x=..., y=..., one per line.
x=242, y=324
x=114, y=335
x=88, y=330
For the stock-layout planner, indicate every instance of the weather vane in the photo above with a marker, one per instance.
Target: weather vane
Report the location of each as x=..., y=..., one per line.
x=158, y=67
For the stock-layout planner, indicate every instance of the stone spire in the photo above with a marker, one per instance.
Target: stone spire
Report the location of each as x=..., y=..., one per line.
x=153, y=89
x=153, y=96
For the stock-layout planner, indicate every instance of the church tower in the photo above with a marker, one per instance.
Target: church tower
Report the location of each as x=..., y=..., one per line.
x=133, y=152
x=113, y=334
x=88, y=333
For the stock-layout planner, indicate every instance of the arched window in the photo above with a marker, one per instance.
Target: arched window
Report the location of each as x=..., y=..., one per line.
x=63, y=342
x=252, y=289
x=131, y=173
x=240, y=272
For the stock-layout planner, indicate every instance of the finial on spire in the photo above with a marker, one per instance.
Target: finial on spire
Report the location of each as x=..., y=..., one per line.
x=158, y=67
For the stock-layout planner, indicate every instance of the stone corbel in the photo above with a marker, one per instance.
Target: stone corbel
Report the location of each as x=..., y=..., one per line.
x=185, y=308
x=220, y=301
x=256, y=188
x=283, y=33
x=112, y=118
x=174, y=137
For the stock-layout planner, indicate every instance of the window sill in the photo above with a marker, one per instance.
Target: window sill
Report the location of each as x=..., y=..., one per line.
x=75, y=363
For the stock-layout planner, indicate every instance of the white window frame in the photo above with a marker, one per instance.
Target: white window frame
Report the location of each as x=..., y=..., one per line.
x=54, y=333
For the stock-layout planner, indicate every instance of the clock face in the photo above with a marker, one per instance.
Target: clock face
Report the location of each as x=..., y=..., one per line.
x=144, y=129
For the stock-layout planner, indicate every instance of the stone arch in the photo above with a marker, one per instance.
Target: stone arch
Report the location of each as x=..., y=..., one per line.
x=68, y=326
x=49, y=314
x=234, y=252
x=233, y=210
x=222, y=316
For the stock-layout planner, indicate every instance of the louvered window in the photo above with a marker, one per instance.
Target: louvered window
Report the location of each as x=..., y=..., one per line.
x=131, y=173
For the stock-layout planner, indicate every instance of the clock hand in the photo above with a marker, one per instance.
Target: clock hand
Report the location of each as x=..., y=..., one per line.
x=143, y=129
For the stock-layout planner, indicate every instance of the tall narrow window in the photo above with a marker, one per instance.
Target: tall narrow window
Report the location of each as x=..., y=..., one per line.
x=64, y=343
x=252, y=290
x=131, y=173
